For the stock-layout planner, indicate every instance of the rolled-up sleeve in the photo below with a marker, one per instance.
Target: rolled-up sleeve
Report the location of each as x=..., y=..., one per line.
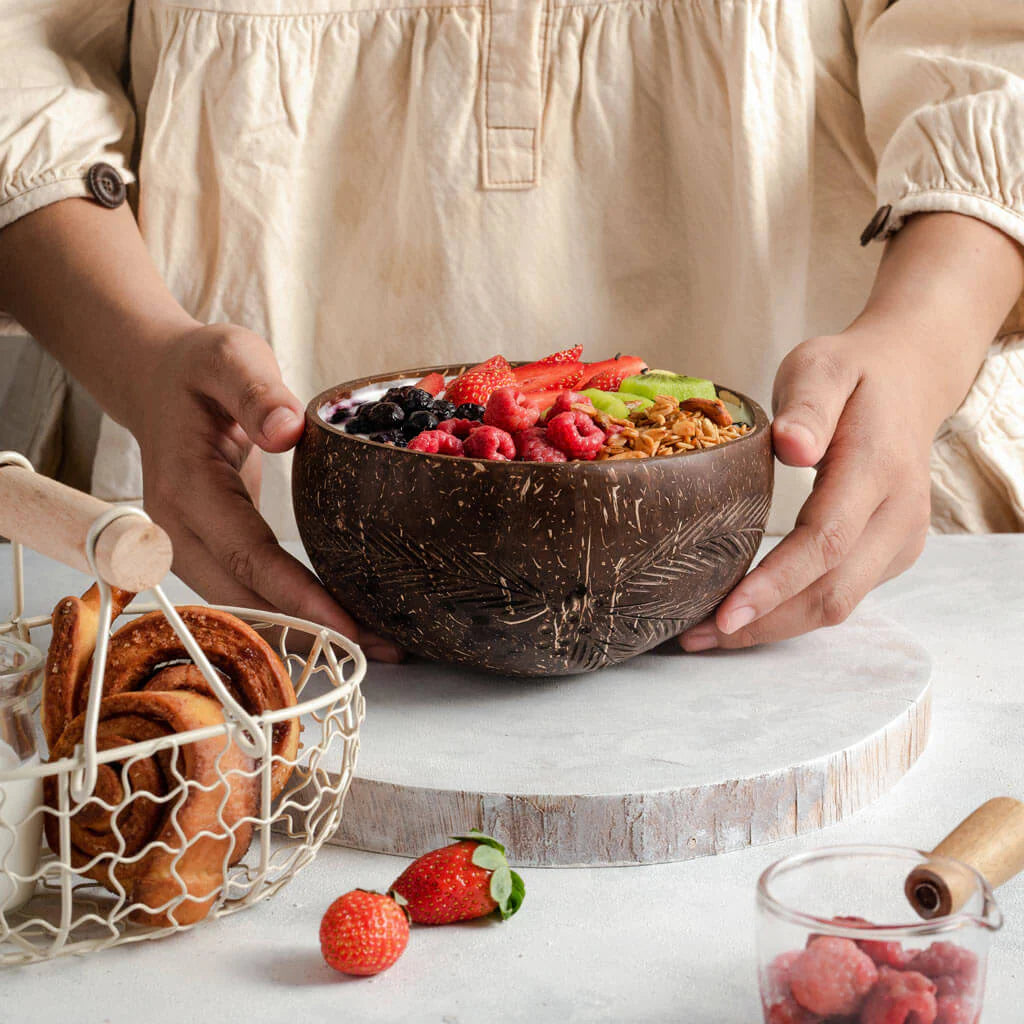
x=63, y=107
x=942, y=87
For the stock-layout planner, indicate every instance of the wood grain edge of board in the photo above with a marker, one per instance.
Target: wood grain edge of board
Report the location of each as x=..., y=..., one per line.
x=646, y=828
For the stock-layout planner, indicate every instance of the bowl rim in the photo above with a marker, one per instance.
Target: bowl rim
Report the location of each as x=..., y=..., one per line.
x=761, y=422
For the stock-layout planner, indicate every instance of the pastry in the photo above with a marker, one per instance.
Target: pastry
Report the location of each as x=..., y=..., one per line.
x=178, y=840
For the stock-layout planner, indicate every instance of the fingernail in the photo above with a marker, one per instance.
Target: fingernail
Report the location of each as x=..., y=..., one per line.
x=701, y=639
x=278, y=421
x=742, y=616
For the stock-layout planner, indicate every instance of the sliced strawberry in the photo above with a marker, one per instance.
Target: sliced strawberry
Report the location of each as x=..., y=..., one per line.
x=556, y=377
x=433, y=384
x=609, y=374
x=476, y=384
x=541, y=400
x=567, y=355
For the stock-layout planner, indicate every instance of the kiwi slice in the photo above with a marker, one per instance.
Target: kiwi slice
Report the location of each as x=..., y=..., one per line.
x=662, y=382
x=635, y=403
x=607, y=402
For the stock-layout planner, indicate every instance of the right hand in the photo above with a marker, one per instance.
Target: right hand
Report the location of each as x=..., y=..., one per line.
x=213, y=401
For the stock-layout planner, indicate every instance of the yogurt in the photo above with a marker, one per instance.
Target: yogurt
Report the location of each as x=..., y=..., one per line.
x=20, y=830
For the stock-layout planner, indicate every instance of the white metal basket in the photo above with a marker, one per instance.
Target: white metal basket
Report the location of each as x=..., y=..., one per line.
x=69, y=913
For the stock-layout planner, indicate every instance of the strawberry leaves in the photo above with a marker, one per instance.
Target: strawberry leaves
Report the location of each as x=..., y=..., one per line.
x=507, y=888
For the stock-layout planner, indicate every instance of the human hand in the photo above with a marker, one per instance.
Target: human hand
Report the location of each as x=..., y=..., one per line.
x=212, y=401
x=842, y=405
x=863, y=407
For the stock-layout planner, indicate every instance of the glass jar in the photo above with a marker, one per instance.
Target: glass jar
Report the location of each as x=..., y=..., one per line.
x=21, y=793
x=856, y=894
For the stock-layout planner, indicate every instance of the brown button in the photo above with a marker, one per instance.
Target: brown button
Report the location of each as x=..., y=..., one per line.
x=876, y=225
x=106, y=185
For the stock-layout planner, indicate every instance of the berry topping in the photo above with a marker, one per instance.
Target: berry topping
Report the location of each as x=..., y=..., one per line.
x=567, y=401
x=541, y=451
x=436, y=442
x=899, y=997
x=384, y=414
x=832, y=977
x=443, y=409
x=417, y=399
x=433, y=383
x=566, y=355
x=339, y=415
x=460, y=428
x=476, y=384
x=469, y=411
x=395, y=437
x=775, y=982
x=608, y=375
x=575, y=434
x=507, y=410
x=358, y=425
x=397, y=395
x=419, y=421
x=490, y=443
x=363, y=933
x=549, y=377
x=457, y=883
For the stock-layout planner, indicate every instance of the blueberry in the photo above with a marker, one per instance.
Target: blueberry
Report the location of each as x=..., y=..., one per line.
x=395, y=437
x=340, y=415
x=418, y=422
x=385, y=414
x=469, y=411
x=417, y=399
x=443, y=409
x=396, y=395
x=357, y=425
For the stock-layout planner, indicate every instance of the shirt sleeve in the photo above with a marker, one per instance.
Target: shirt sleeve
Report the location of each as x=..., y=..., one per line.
x=63, y=108
x=942, y=88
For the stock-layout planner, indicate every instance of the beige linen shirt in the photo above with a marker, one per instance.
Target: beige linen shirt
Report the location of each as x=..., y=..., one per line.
x=377, y=184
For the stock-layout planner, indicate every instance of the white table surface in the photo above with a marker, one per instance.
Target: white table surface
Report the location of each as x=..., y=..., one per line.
x=671, y=942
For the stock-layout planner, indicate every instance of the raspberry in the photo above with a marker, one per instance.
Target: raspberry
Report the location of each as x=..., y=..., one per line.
x=521, y=438
x=775, y=979
x=436, y=442
x=508, y=410
x=567, y=401
x=891, y=954
x=541, y=451
x=490, y=443
x=954, y=1010
x=576, y=434
x=460, y=428
x=900, y=997
x=948, y=960
x=946, y=985
x=832, y=977
x=789, y=1011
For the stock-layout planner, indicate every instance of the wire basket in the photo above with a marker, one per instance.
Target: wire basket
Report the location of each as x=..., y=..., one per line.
x=68, y=912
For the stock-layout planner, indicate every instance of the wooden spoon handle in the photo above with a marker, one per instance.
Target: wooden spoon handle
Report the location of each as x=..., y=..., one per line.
x=131, y=553
x=991, y=840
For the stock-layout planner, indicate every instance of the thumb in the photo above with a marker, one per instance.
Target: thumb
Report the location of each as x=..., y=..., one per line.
x=812, y=387
x=237, y=369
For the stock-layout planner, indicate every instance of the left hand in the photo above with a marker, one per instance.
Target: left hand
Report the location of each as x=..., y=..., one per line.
x=863, y=407
x=841, y=404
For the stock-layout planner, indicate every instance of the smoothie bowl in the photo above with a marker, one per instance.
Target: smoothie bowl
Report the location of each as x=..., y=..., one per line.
x=508, y=555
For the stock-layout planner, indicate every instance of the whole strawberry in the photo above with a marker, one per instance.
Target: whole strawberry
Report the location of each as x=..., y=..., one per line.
x=455, y=883
x=363, y=932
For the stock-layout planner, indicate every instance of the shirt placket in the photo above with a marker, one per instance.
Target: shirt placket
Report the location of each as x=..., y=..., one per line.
x=514, y=45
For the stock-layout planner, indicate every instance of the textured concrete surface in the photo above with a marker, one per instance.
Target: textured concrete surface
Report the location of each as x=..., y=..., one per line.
x=671, y=942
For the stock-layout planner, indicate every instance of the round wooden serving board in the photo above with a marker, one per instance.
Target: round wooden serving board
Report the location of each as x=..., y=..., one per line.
x=666, y=757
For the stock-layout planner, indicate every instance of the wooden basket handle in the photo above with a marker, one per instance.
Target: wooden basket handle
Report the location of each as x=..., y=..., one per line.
x=131, y=552
x=991, y=840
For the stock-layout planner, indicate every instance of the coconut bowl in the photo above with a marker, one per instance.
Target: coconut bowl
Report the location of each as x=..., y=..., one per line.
x=526, y=569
